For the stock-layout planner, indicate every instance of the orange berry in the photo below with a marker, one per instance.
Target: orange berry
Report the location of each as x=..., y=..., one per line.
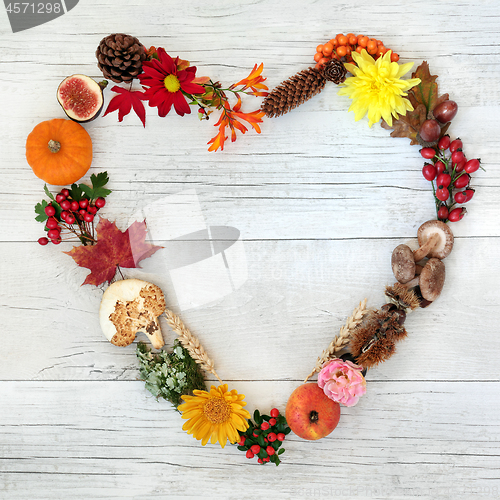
x=319, y=48
x=349, y=34
x=380, y=42
x=323, y=60
x=342, y=40
x=318, y=56
x=394, y=57
x=363, y=41
x=327, y=49
x=341, y=51
x=348, y=49
x=353, y=39
x=371, y=47
x=335, y=56
x=360, y=37
x=359, y=49
x=334, y=42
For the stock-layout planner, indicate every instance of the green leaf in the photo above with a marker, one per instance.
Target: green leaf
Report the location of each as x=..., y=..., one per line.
x=274, y=458
x=280, y=452
x=242, y=448
x=40, y=210
x=76, y=192
x=256, y=416
x=261, y=441
x=48, y=193
x=98, y=183
x=276, y=444
x=287, y=431
x=262, y=454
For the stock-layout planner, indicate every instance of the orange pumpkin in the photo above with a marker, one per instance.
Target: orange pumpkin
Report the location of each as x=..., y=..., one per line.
x=59, y=151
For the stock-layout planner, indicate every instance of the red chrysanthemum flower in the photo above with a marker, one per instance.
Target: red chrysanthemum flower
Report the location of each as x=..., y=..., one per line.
x=167, y=83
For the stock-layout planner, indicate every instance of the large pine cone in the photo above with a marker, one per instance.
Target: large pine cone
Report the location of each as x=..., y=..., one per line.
x=120, y=57
x=293, y=92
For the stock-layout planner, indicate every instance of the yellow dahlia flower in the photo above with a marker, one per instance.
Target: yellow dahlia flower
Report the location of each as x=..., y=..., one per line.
x=217, y=415
x=376, y=87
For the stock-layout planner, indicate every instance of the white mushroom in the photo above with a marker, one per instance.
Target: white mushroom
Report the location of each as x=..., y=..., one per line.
x=132, y=306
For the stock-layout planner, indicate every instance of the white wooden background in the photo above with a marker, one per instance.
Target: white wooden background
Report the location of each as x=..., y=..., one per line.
x=320, y=201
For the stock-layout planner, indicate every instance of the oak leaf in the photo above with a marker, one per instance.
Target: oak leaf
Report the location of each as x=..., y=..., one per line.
x=424, y=98
x=113, y=249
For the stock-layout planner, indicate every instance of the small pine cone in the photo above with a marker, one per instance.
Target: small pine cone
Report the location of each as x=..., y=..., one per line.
x=120, y=57
x=334, y=71
x=293, y=92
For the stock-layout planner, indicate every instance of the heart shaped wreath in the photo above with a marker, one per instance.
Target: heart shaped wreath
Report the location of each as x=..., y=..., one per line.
x=60, y=152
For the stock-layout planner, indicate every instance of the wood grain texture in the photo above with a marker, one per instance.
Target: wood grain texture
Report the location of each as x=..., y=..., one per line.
x=319, y=200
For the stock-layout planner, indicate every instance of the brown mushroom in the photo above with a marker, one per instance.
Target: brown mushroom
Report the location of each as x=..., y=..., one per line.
x=435, y=239
x=403, y=263
x=431, y=279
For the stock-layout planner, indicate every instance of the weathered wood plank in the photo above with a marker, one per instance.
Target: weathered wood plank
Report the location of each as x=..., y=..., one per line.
x=112, y=440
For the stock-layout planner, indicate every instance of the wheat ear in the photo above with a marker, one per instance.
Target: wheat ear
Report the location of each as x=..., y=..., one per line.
x=191, y=343
x=342, y=339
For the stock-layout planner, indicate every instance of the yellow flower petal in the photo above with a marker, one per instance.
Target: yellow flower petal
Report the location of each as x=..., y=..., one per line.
x=215, y=416
x=376, y=89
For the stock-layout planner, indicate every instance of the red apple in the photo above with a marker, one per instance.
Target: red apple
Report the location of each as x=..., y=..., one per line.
x=310, y=413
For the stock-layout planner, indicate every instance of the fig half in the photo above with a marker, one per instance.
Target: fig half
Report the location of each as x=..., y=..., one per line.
x=81, y=97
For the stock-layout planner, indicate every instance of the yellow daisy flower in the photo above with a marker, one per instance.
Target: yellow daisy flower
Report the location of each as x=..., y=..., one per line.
x=376, y=87
x=217, y=415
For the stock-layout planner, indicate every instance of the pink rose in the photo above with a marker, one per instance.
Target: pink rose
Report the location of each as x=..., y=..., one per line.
x=342, y=381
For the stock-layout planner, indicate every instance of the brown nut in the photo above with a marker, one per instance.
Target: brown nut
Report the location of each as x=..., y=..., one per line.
x=403, y=263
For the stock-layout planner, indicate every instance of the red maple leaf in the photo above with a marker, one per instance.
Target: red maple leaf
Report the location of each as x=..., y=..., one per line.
x=124, y=103
x=113, y=248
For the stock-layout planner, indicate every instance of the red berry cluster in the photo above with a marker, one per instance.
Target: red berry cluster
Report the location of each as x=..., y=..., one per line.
x=265, y=437
x=72, y=211
x=451, y=170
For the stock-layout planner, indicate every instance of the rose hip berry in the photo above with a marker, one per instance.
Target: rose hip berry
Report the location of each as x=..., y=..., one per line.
x=271, y=437
x=249, y=454
x=471, y=166
x=456, y=144
x=264, y=426
x=428, y=153
x=255, y=448
x=272, y=421
x=270, y=450
x=43, y=241
x=444, y=142
x=242, y=440
x=461, y=181
x=429, y=172
x=281, y=436
x=442, y=194
x=84, y=203
x=443, y=212
x=60, y=197
x=274, y=413
x=440, y=167
x=443, y=180
x=457, y=214
x=75, y=206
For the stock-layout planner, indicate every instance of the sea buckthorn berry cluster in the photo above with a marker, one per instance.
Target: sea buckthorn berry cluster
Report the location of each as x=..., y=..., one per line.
x=342, y=46
x=72, y=211
x=451, y=170
x=264, y=437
